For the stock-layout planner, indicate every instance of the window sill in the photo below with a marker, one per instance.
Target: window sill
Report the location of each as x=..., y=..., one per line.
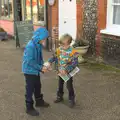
x=40, y=23
x=114, y=30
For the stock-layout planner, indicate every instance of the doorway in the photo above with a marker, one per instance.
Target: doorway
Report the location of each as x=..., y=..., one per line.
x=67, y=18
x=19, y=10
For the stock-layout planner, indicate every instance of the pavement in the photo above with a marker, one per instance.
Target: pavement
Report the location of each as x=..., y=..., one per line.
x=97, y=92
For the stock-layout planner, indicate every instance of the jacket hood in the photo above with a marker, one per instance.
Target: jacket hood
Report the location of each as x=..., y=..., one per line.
x=40, y=34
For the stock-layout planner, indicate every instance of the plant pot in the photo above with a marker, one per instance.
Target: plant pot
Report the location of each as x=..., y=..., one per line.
x=3, y=35
x=82, y=50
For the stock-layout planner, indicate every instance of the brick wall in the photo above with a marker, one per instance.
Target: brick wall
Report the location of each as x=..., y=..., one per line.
x=54, y=15
x=102, y=14
x=53, y=23
x=79, y=16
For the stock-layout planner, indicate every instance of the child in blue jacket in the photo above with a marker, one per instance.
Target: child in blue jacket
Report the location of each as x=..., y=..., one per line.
x=32, y=65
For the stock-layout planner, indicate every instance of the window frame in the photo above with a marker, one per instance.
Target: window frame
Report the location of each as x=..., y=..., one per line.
x=38, y=23
x=5, y=17
x=110, y=6
x=112, y=29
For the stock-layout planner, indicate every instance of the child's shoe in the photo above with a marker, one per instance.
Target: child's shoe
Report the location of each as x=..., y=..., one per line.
x=59, y=99
x=71, y=103
x=32, y=111
x=41, y=103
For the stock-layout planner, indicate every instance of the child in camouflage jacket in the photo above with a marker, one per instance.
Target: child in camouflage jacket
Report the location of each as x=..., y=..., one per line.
x=66, y=59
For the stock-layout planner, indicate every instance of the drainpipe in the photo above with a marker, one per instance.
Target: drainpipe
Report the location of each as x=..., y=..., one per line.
x=50, y=38
x=24, y=9
x=8, y=8
x=0, y=9
x=46, y=16
x=15, y=19
x=31, y=9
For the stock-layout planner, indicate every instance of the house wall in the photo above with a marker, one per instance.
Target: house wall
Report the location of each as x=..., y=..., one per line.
x=53, y=24
x=53, y=21
x=102, y=14
x=79, y=16
x=8, y=23
x=110, y=49
x=7, y=26
x=108, y=46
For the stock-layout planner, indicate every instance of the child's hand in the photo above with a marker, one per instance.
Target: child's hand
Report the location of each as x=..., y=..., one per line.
x=48, y=65
x=44, y=69
x=63, y=72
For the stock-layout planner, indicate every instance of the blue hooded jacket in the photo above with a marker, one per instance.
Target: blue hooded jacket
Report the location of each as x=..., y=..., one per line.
x=32, y=58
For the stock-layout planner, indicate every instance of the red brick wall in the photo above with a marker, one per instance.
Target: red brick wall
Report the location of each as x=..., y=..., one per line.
x=53, y=24
x=54, y=15
x=102, y=14
x=79, y=16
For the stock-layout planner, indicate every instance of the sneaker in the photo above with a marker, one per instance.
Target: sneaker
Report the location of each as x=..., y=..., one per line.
x=59, y=99
x=32, y=112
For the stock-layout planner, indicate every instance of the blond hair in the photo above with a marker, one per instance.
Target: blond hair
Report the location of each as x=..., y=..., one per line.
x=66, y=37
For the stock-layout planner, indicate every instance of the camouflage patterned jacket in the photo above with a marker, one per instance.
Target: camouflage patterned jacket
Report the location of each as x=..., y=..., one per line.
x=65, y=59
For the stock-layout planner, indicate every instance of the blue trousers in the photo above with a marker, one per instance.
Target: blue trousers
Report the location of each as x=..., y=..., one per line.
x=33, y=87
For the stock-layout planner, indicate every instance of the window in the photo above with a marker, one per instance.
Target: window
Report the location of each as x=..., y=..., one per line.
x=6, y=8
x=116, y=12
x=35, y=10
x=113, y=18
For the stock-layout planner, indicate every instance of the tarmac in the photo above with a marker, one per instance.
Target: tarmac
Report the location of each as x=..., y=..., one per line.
x=97, y=92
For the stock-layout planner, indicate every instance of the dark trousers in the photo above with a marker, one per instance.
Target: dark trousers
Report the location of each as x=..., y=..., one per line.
x=33, y=87
x=70, y=88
